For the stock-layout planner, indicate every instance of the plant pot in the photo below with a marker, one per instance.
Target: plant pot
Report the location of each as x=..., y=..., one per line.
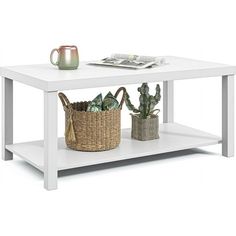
x=145, y=129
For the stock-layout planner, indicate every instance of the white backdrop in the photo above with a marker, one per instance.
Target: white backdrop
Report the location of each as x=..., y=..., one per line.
x=192, y=194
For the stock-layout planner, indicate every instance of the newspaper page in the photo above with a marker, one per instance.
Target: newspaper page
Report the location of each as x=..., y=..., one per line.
x=130, y=61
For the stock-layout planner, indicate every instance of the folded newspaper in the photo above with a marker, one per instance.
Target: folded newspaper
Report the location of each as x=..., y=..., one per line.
x=130, y=61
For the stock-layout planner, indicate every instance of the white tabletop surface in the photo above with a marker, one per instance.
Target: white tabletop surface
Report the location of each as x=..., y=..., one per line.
x=49, y=78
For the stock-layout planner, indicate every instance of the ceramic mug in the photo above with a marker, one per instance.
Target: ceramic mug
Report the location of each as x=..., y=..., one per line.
x=67, y=59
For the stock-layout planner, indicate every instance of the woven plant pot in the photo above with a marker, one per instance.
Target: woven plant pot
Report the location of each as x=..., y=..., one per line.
x=91, y=131
x=145, y=129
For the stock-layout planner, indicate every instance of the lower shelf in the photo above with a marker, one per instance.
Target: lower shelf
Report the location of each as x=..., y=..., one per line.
x=173, y=137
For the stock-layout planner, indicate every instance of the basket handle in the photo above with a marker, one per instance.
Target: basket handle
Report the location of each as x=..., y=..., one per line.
x=123, y=96
x=64, y=100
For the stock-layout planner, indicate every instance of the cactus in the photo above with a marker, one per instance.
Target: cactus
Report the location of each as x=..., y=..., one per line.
x=147, y=101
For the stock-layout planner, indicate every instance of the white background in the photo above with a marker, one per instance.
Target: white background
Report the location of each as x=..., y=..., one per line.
x=187, y=193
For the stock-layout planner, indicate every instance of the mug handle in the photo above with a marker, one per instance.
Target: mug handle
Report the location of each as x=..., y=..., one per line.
x=51, y=57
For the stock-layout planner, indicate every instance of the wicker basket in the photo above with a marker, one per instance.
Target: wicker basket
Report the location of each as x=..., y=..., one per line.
x=91, y=131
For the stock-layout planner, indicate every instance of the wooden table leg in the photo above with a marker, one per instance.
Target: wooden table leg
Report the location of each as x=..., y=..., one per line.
x=50, y=140
x=228, y=115
x=168, y=101
x=7, y=117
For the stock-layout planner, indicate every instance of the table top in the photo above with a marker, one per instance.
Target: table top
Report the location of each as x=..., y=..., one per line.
x=49, y=78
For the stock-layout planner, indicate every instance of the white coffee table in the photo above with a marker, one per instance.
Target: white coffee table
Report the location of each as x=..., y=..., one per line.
x=51, y=155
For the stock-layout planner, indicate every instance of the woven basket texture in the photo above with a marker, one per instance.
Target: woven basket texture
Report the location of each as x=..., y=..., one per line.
x=91, y=131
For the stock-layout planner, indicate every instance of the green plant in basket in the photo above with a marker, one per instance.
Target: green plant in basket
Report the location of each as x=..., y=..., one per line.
x=108, y=103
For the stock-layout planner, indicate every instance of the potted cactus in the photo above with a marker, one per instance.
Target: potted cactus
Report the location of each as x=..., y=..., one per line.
x=145, y=122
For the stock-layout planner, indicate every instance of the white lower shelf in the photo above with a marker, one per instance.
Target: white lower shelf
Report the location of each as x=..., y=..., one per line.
x=173, y=137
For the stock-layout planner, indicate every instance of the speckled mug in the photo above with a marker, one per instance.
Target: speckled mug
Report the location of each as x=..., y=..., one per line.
x=67, y=59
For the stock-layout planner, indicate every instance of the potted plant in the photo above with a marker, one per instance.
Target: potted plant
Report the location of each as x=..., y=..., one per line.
x=145, y=121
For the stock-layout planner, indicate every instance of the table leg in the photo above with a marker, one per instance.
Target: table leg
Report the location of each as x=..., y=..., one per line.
x=228, y=115
x=50, y=140
x=7, y=117
x=168, y=101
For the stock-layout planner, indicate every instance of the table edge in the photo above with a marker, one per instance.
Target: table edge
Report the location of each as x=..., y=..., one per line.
x=50, y=86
